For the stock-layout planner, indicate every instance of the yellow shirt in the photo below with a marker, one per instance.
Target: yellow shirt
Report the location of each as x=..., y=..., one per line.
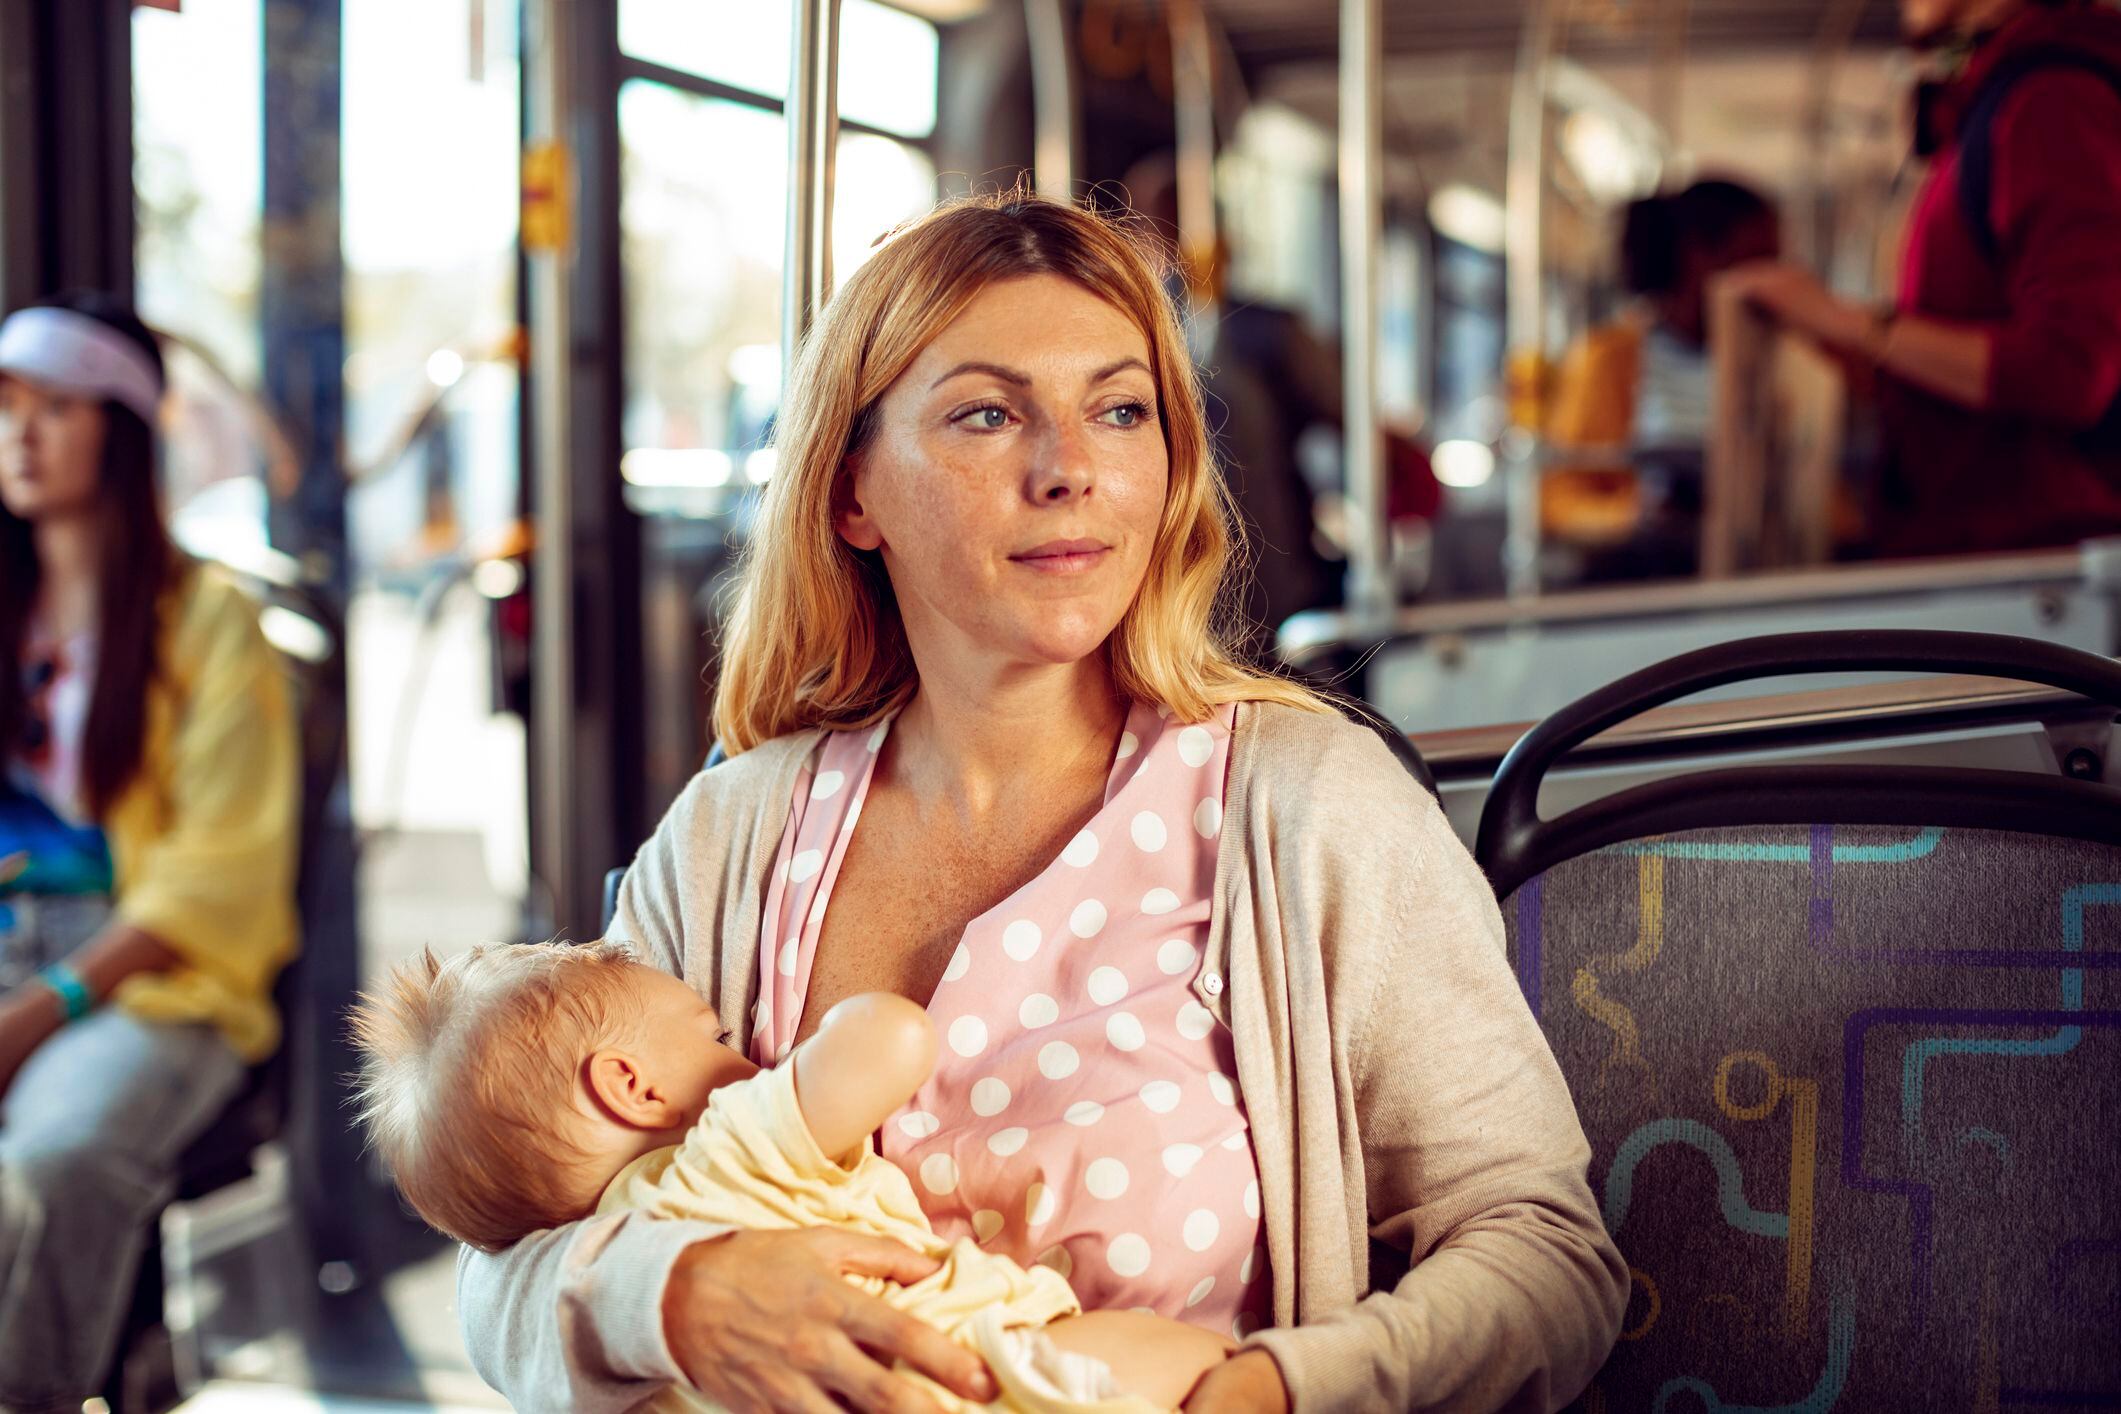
x=752, y=1162
x=203, y=841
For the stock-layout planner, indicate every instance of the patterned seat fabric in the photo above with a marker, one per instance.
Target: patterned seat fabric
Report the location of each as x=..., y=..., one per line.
x=1854, y=1103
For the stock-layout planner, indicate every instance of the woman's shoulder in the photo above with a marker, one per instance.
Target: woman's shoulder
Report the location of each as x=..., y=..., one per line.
x=1290, y=743
x=1324, y=771
x=735, y=789
x=210, y=621
x=207, y=599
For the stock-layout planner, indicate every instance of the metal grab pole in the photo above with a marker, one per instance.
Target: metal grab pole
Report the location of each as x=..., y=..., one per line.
x=550, y=97
x=813, y=144
x=1361, y=225
x=1525, y=315
x=1193, y=121
x=1052, y=99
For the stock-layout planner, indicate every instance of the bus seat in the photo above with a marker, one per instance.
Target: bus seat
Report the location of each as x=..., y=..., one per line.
x=1848, y=1052
x=224, y=1153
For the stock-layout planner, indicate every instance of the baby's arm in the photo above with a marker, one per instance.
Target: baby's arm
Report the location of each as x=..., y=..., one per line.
x=868, y=1057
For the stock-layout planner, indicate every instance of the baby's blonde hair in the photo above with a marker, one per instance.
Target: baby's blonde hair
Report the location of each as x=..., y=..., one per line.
x=468, y=1081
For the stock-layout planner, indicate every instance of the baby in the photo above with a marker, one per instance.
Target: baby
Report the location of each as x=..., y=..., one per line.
x=515, y=1088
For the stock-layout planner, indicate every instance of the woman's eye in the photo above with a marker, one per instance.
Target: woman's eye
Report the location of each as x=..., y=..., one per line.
x=985, y=419
x=1126, y=415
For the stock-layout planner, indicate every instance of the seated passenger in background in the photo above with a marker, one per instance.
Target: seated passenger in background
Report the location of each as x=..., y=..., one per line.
x=517, y=1088
x=148, y=804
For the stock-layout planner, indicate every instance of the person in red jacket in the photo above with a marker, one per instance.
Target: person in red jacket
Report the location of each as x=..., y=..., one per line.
x=1999, y=363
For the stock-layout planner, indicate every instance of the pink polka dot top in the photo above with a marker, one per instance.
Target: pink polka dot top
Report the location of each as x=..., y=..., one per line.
x=1083, y=1112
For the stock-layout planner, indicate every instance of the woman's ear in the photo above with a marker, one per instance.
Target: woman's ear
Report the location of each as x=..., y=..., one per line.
x=853, y=522
x=625, y=1091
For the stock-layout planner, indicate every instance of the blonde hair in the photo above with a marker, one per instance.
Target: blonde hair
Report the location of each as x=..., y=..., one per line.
x=468, y=1082
x=814, y=639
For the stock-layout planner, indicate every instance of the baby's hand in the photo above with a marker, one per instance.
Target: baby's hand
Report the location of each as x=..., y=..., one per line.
x=12, y=865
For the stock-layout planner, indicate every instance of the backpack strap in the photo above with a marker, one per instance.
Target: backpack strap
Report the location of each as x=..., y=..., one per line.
x=1977, y=156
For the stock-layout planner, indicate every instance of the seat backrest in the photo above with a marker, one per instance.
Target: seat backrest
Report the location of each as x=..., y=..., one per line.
x=1852, y=1095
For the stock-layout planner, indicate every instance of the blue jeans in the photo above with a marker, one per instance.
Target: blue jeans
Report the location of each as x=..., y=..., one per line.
x=90, y=1134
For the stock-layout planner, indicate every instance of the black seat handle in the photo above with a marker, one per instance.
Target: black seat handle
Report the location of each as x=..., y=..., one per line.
x=1512, y=837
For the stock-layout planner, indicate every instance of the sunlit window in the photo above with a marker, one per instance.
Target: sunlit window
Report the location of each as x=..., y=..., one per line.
x=703, y=245
x=430, y=146
x=198, y=157
x=887, y=57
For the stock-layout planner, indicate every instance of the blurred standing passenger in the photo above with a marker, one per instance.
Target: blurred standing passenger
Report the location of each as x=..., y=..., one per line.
x=1267, y=380
x=147, y=821
x=1999, y=363
x=1637, y=389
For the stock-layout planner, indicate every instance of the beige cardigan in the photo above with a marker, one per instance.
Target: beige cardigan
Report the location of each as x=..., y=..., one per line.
x=1398, y=1089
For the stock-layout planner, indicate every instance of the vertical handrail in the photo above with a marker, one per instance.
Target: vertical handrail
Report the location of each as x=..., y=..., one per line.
x=1525, y=310
x=1052, y=99
x=813, y=114
x=1837, y=27
x=549, y=98
x=1361, y=226
x=1193, y=122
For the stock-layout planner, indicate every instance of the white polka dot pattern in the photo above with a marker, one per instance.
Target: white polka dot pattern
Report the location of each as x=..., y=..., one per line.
x=1149, y=832
x=939, y=1174
x=1082, y=1114
x=1021, y=939
x=1108, y=986
x=1106, y=1179
x=1194, y=1022
x=1128, y=1254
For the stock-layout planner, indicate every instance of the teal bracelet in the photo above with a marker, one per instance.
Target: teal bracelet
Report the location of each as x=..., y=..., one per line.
x=72, y=991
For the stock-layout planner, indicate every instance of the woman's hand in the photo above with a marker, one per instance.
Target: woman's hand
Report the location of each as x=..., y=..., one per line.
x=1793, y=297
x=28, y=1017
x=1249, y=1382
x=766, y=1321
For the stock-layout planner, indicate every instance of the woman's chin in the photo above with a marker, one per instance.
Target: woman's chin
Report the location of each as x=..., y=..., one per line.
x=1062, y=641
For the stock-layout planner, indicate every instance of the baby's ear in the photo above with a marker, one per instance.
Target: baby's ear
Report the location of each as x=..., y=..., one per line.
x=623, y=1090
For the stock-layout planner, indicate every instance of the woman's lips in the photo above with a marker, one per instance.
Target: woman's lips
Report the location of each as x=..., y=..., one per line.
x=1063, y=556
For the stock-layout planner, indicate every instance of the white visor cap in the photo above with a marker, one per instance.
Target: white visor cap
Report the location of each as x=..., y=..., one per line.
x=81, y=355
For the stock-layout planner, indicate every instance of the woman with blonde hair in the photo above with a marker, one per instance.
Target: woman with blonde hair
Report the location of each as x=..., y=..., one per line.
x=1222, y=997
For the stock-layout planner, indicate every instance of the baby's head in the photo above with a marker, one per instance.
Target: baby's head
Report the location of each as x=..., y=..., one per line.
x=507, y=1086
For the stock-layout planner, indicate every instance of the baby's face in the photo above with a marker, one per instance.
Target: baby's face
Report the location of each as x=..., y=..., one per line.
x=678, y=1044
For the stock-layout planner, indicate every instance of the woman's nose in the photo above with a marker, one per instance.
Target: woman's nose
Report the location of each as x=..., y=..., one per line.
x=1062, y=467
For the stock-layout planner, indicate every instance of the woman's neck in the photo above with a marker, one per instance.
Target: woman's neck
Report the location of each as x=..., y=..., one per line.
x=69, y=563
x=973, y=738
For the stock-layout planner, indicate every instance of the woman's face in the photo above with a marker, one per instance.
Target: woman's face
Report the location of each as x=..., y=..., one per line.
x=51, y=449
x=1016, y=477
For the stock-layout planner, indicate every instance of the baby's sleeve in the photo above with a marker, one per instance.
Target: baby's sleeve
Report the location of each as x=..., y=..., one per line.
x=751, y=1161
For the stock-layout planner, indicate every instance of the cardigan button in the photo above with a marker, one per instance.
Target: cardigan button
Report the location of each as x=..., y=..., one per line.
x=1212, y=984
